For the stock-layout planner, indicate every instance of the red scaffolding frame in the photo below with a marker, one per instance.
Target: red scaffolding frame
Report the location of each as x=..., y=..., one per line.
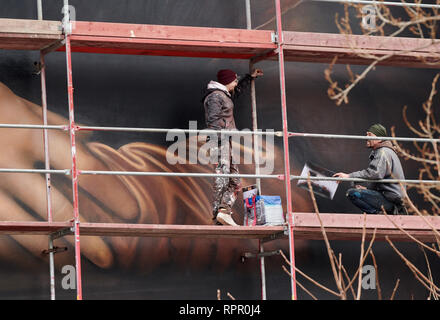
x=255, y=45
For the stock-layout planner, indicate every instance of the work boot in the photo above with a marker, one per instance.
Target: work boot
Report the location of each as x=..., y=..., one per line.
x=225, y=218
x=401, y=210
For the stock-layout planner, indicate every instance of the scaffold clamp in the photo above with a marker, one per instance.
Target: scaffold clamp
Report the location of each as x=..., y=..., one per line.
x=55, y=250
x=61, y=233
x=249, y=255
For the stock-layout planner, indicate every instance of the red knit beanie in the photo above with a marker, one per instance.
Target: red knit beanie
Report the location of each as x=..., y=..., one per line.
x=226, y=76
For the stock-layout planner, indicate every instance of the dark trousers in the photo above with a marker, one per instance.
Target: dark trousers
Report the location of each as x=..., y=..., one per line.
x=369, y=201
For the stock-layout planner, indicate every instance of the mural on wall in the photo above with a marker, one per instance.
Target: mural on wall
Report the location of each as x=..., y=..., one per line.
x=155, y=92
x=116, y=199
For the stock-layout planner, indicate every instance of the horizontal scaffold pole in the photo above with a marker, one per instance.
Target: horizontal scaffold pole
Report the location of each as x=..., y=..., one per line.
x=39, y=171
x=354, y=137
x=385, y=3
x=163, y=130
x=213, y=175
x=33, y=126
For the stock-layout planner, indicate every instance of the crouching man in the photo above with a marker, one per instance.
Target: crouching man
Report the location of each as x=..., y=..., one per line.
x=384, y=164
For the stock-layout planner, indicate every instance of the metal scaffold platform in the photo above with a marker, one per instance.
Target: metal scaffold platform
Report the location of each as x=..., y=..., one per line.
x=254, y=45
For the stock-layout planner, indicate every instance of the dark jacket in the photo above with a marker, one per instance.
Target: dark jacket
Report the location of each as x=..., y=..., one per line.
x=384, y=164
x=219, y=104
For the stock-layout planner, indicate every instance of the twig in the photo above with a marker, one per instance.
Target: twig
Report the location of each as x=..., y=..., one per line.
x=395, y=289
x=417, y=273
x=408, y=234
x=416, y=18
x=432, y=291
x=361, y=262
x=327, y=243
x=309, y=278
x=348, y=279
x=299, y=284
x=379, y=290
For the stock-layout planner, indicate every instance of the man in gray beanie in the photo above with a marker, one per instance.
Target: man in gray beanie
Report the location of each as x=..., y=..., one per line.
x=384, y=164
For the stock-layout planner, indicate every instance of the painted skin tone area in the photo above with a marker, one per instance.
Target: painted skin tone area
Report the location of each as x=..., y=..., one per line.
x=111, y=199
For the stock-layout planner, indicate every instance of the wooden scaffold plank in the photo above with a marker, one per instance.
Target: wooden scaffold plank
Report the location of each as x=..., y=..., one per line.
x=323, y=47
x=306, y=226
x=121, y=38
x=194, y=231
x=349, y=226
x=31, y=227
x=160, y=40
x=24, y=34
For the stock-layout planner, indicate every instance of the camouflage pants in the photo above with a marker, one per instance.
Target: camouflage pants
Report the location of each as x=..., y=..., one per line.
x=225, y=189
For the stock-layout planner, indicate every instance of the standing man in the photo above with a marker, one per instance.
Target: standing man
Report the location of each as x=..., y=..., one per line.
x=384, y=164
x=219, y=114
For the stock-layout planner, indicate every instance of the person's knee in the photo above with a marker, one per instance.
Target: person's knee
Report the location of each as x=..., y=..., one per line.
x=353, y=193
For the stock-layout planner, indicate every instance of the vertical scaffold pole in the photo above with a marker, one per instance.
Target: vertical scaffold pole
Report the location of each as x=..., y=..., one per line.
x=262, y=270
x=46, y=158
x=256, y=150
x=47, y=167
x=280, y=42
x=67, y=31
x=39, y=10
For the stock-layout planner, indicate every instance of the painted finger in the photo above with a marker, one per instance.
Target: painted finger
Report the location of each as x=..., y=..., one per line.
x=123, y=247
x=10, y=210
x=30, y=191
x=109, y=190
x=102, y=187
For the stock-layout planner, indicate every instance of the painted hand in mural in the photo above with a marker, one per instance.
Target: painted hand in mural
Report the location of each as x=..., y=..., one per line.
x=116, y=199
x=23, y=196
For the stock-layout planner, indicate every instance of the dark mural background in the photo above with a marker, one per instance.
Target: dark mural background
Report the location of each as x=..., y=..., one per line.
x=142, y=91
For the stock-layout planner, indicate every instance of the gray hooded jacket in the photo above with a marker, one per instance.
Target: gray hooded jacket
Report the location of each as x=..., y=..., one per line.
x=384, y=164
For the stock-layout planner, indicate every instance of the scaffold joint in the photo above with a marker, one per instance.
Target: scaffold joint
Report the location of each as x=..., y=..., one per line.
x=55, y=250
x=61, y=233
x=249, y=255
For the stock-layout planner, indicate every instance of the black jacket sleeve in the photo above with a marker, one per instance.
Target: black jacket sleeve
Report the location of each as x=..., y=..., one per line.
x=243, y=85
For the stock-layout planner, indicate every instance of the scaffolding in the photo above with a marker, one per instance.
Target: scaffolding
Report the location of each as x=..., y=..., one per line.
x=250, y=44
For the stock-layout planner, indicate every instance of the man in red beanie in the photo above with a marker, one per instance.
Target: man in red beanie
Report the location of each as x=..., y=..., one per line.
x=219, y=114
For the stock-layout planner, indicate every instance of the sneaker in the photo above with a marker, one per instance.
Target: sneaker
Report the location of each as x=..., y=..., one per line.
x=226, y=219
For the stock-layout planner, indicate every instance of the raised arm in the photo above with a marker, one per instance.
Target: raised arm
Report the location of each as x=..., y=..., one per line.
x=245, y=82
